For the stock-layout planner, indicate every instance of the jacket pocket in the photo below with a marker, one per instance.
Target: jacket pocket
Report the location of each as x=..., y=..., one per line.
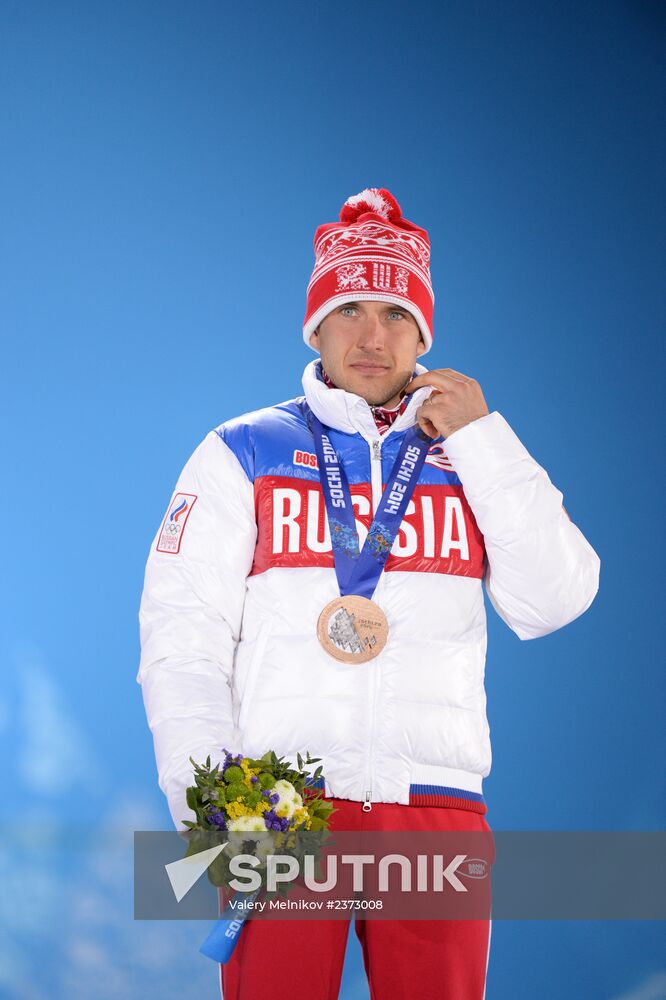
x=253, y=670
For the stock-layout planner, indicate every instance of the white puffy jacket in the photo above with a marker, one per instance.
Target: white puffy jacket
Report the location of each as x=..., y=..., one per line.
x=241, y=568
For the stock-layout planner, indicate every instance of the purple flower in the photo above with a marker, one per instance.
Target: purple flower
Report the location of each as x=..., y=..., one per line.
x=218, y=819
x=254, y=779
x=274, y=798
x=274, y=822
x=230, y=761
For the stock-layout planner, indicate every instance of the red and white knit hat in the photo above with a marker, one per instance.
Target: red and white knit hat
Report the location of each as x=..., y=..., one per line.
x=371, y=253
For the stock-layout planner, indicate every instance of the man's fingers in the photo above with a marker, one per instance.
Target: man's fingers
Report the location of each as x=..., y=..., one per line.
x=439, y=376
x=454, y=374
x=427, y=425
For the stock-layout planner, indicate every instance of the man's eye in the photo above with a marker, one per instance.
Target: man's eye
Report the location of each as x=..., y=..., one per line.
x=397, y=312
x=344, y=308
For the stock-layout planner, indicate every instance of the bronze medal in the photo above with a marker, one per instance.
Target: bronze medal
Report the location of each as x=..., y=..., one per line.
x=352, y=629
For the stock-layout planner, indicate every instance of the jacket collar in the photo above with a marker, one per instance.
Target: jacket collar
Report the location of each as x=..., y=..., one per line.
x=348, y=412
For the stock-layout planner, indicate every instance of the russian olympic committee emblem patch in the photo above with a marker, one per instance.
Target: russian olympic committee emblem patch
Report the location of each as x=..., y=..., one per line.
x=173, y=526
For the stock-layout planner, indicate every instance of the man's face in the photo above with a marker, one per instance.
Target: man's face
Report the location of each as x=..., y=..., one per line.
x=369, y=348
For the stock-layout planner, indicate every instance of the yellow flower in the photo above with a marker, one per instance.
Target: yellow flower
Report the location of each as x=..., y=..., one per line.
x=237, y=809
x=302, y=818
x=248, y=772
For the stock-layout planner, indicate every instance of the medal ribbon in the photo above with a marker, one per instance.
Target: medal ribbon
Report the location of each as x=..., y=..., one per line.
x=223, y=938
x=359, y=572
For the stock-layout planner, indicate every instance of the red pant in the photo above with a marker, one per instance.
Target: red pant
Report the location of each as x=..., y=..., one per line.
x=404, y=959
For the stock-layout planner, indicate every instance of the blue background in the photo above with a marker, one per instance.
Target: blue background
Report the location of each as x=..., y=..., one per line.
x=163, y=169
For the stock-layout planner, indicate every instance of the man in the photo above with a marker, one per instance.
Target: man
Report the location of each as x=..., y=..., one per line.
x=254, y=630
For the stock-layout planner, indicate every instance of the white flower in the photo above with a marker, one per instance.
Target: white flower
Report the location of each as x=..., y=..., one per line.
x=263, y=848
x=289, y=799
x=242, y=829
x=284, y=789
x=247, y=824
x=234, y=844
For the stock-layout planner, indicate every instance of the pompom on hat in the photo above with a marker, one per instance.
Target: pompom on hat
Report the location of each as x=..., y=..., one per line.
x=371, y=253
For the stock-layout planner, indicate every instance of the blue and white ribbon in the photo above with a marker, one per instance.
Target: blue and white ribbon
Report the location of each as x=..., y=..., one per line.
x=223, y=938
x=359, y=572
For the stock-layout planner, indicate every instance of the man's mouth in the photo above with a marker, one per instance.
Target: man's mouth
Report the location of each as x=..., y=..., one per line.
x=369, y=369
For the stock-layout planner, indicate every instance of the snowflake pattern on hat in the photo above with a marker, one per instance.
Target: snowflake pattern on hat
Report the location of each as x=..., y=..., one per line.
x=351, y=276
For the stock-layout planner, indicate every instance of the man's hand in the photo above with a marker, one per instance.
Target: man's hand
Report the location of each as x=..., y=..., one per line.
x=454, y=403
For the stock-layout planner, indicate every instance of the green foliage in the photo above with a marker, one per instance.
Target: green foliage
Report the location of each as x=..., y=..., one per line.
x=233, y=774
x=283, y=770
x=213, y=790
x=235, y=791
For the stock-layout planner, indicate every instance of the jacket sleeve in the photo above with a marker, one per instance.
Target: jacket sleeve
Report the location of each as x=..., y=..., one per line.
x=541, y=573
x=190, y=616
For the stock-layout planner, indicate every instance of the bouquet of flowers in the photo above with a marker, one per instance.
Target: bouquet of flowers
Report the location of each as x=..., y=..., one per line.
x=246, y=795
x=257, y=806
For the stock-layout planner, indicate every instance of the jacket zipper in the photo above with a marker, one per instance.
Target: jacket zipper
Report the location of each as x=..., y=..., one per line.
x=376, y=483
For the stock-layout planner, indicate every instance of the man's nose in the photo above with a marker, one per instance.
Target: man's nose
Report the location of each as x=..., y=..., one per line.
x=372, y=333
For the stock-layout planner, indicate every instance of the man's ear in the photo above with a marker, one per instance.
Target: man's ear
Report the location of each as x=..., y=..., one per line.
x=421, y=347
x=314, y=337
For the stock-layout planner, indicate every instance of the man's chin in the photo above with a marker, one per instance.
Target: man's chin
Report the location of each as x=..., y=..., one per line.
x=381, y=401
x=375, y=391
x=373, y=394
